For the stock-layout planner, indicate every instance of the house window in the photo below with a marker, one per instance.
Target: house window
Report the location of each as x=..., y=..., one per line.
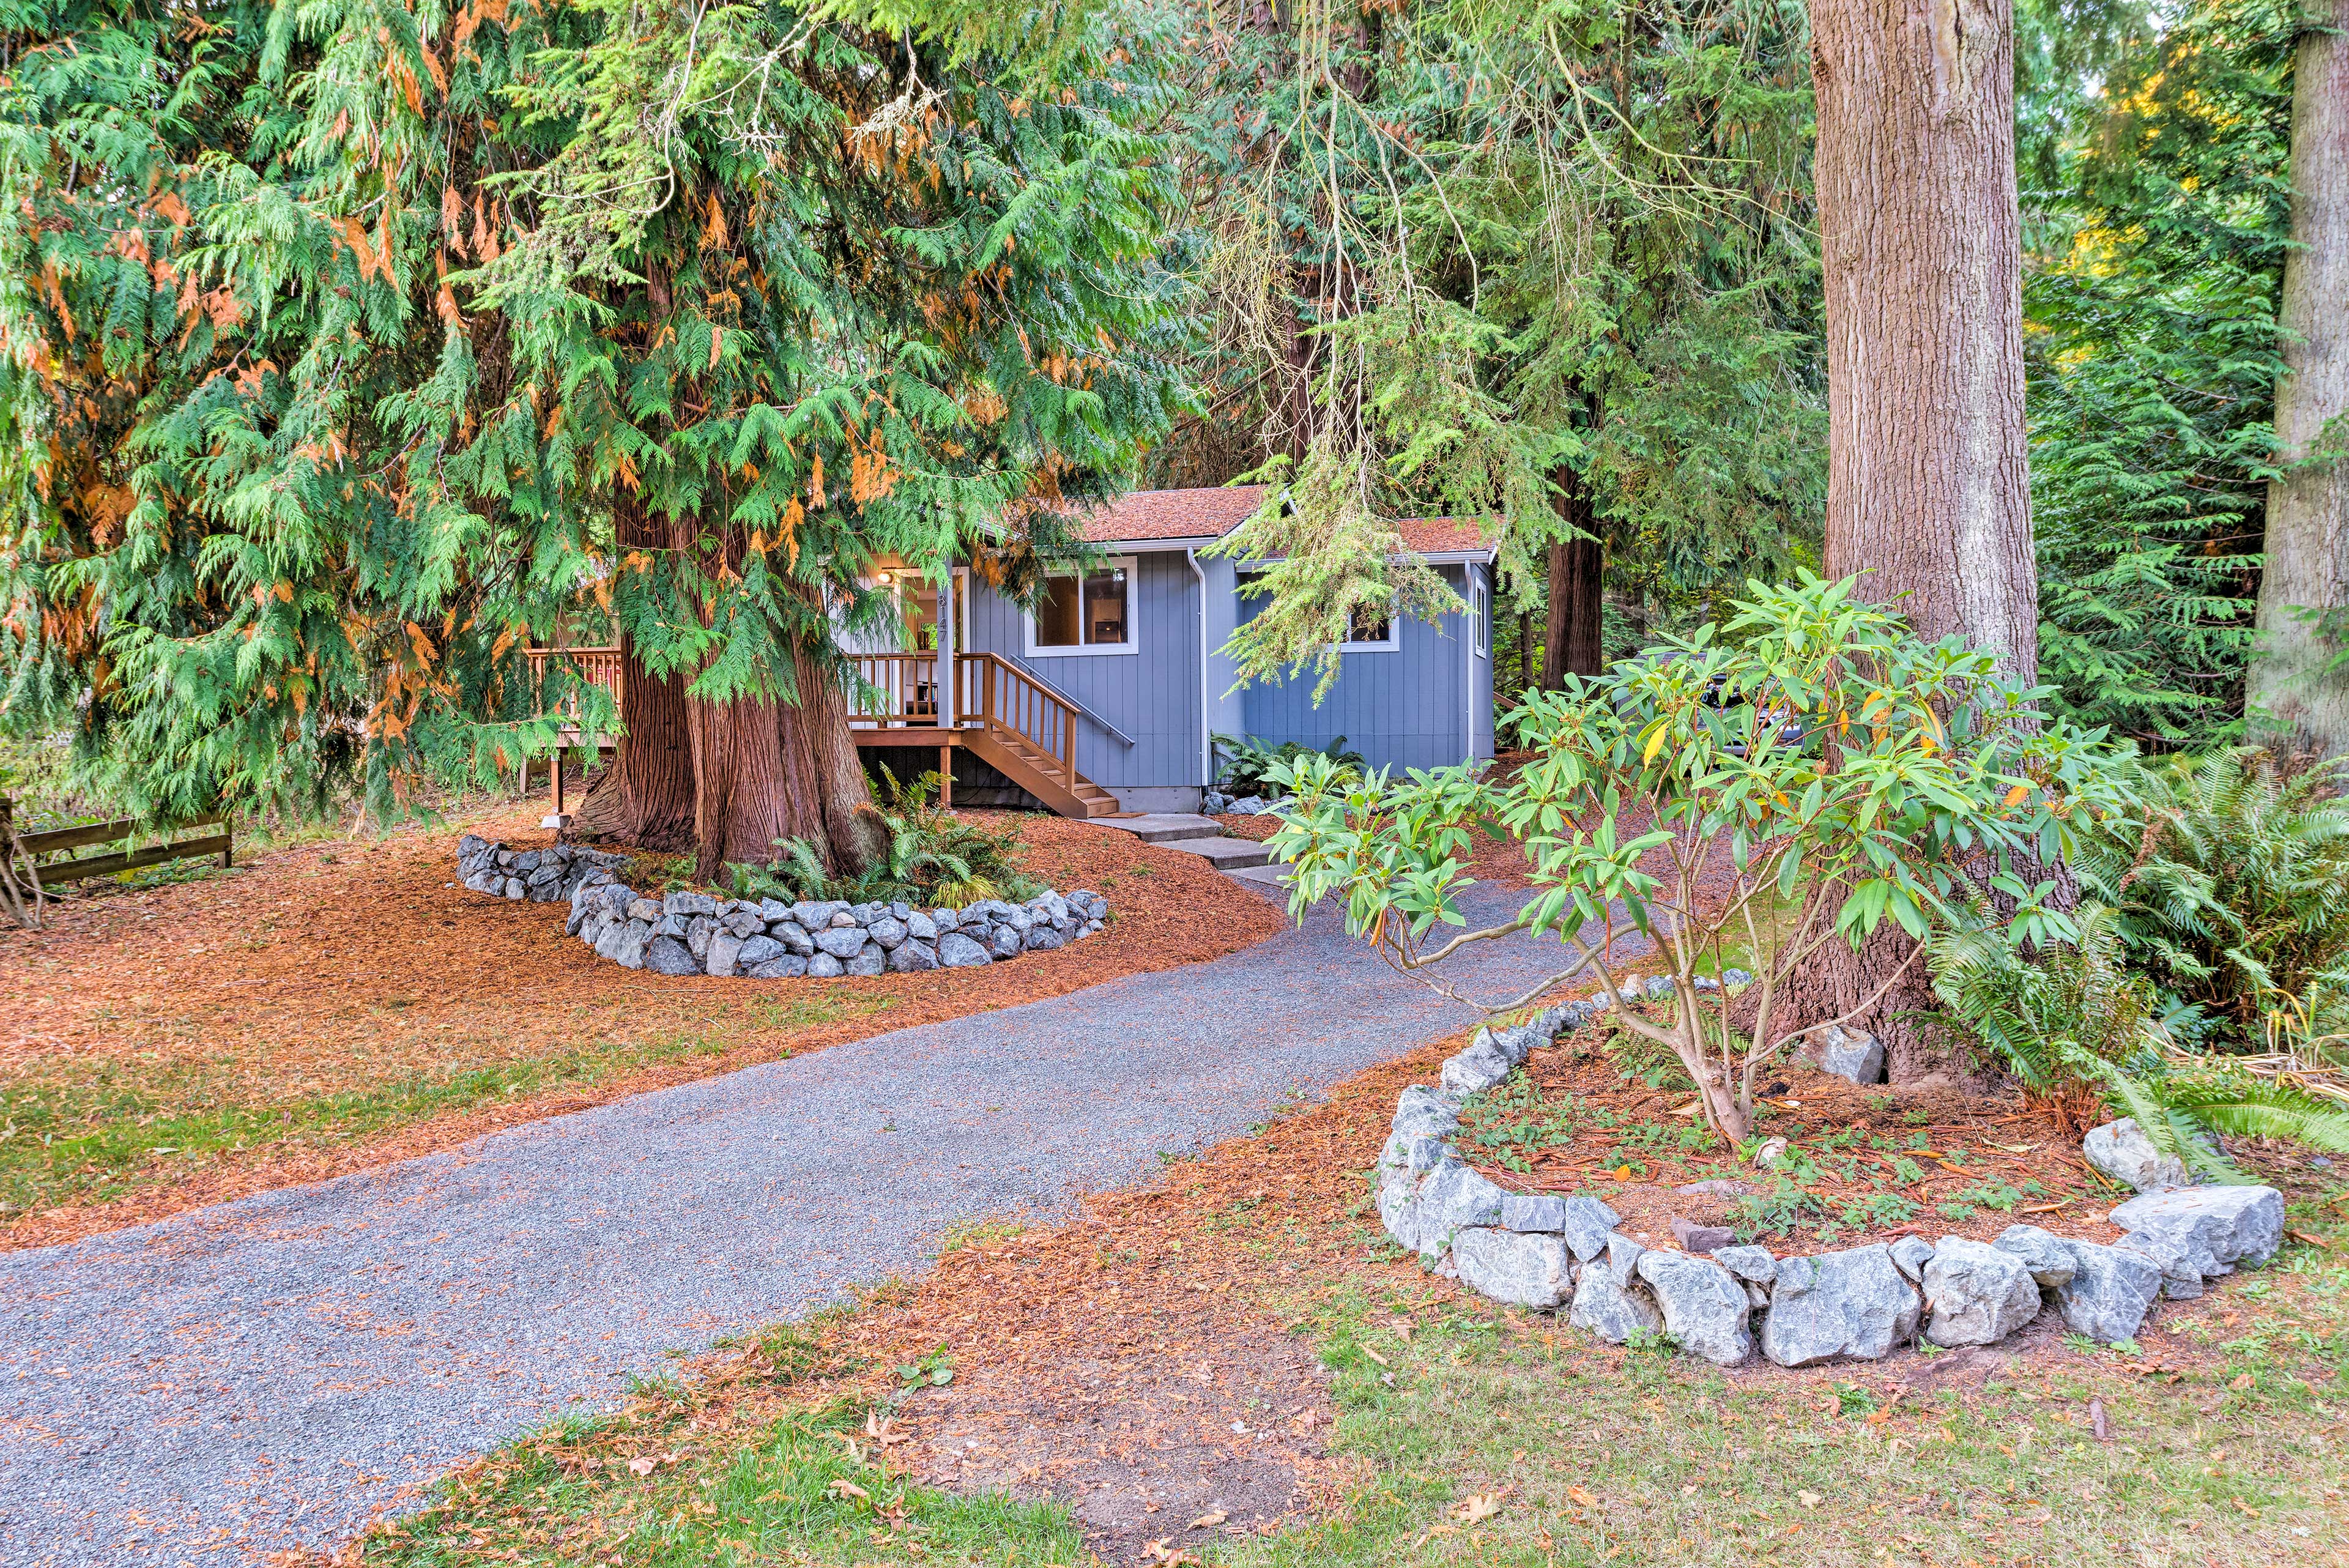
x=1479, y=606
x=1373, y=631
x=1090, y=612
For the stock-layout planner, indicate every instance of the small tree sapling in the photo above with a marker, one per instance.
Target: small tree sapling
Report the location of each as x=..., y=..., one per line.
x=1809, y=766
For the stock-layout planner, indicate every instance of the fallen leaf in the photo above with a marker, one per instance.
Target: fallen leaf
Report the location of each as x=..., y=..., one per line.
x=846, y=1488
x=1210, y=1520
x=1374, y=1356
x=642, y=1465
x=1577, y=1494
x=1478, y=1508
x=2240, y=1382
x=1808, y=1499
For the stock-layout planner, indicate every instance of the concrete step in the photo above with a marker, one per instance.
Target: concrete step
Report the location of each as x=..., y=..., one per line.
x=1222, y=852
x=1166, y=826
x=1265, y=876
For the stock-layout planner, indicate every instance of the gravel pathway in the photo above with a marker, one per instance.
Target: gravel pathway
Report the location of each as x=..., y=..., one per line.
x=266, y=1373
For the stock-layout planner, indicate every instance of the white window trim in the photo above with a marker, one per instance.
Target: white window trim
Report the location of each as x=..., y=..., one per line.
x=1480, y=604
x=1393, y=643
x=1133, y=643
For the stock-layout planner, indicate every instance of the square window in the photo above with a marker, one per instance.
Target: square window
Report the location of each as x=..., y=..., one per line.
x=1373, y=630
x=1091, y=612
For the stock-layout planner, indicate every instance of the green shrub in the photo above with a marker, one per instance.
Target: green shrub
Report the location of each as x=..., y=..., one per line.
x=933, y=858
x=1259, y=770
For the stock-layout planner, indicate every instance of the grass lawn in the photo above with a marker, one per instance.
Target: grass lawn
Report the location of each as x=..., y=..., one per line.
x=1121, y=1354
x=334, y=1004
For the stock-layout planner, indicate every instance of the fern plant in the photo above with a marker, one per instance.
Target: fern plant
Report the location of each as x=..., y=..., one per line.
x=2079, y=1022
x=932, y=858
x=2231, y=878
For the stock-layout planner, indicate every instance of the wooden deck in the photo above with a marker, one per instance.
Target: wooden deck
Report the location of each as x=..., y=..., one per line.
x=1005, y=717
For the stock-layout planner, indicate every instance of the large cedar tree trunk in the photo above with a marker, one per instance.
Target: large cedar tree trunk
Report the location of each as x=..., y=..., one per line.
x=1927, y=483
x=1577, y=576
x=2295, y=701
x=647, y=797
x=853, y=829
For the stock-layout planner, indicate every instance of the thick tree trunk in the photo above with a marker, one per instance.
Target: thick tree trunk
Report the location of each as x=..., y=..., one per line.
x=1928, y=477
x=2295, y=701
x=647, y=797
x=753, y=788
x=852, y=826
x=1577, y=571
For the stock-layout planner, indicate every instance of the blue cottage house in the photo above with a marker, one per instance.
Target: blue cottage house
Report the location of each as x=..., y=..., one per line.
x=1105, y=698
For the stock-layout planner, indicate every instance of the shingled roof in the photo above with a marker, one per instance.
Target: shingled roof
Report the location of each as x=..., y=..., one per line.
x=1146, y=515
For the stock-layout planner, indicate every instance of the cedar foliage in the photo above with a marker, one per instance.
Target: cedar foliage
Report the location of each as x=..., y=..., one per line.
x=333, y=337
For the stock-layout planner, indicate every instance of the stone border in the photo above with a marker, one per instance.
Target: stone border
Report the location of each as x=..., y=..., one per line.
x=765, y=939
x=1724, y=1301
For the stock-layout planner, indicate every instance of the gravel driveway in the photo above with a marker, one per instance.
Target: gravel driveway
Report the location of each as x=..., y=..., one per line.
x=268, y=1373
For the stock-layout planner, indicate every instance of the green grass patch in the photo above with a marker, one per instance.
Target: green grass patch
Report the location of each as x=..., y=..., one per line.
x=102, y=1131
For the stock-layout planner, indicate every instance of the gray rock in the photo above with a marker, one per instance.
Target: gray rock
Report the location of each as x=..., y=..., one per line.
x=872, y=959
x=1007, y=941
x=773, y=910
x=744, y=921
x=888, y=930
x=725, y=955
x=911, y=957
x=674, y=926
x=757, y=950
x=648, y=910
x=514, y=889
x=1477, y=1068
x=2230, y=1225
x=1715, y=1188
x=1851, y=1054
x=1855, y=1304
x=823, y=966
x=814, y=914
x=794, y=936
x=666, y=955
x=683, y=903
x=2109, y=1293
x=1589, y=1224
x=2045, y=1254
x=1044, y=938
x=616, y=896
x=578, y=918
x=1977, y=1293
x=842, y=942
x=1523, y=1269
x=2122, y=1151
x=1531, y=1212
x=1910, y=1254
x=782, y=966
x=1695, y=1238
x=921, y=928
x=2180, y=1265
x=1753, y=1264
x=1419, y=1109
x=1609, y=1300
x=958, y=951
x=697, y=932
x=629, y=944
x=1703, y=1305
x=846, y=918
x=1453, y=1198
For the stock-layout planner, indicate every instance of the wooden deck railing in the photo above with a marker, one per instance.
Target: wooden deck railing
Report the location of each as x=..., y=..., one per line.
x=900, y=691
x=596, y=666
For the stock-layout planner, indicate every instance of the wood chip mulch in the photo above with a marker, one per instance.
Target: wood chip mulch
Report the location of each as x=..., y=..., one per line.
x=338, y=967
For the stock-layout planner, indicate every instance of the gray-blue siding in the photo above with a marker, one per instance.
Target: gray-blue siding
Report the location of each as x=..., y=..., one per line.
x=1415, y=707
x=1151, y=693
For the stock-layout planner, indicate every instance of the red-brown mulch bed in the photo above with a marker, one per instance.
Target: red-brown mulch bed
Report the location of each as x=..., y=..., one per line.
x=329, y=968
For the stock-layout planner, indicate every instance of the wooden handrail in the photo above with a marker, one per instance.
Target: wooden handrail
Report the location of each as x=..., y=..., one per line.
x=596, y=666
x=899, y=691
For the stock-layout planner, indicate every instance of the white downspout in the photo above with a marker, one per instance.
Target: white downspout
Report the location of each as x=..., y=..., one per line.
x=1206, y=706
x=945, y=649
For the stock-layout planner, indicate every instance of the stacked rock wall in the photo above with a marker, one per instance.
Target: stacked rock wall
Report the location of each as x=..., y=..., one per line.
x=683, y=933
x=1727, y=1302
